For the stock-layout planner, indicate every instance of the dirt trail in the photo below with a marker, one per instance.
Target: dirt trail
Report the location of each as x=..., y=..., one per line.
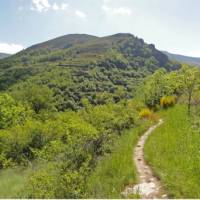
x=149, y=186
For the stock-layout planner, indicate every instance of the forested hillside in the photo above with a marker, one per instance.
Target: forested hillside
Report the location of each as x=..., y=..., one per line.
x=77, y=66
x=69, y=104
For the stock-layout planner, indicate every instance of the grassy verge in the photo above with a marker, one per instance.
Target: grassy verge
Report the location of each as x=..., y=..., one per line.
x=173, y=151
x=11, y=182
x=116, y=170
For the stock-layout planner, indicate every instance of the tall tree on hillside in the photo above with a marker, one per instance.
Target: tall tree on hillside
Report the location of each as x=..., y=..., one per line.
x=154, y=88
x=11, y=112
x=38, y=97
x=190, y=79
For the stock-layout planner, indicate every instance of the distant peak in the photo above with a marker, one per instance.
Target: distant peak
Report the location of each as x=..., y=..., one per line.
x=80, y=34
x=122, y=35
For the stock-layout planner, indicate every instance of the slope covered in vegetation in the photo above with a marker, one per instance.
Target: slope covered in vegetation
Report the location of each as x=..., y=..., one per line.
x=116, y=170
x=77, y=66
x=173, y=149
x=66, y=103
x=60, y=149
x=173, y=152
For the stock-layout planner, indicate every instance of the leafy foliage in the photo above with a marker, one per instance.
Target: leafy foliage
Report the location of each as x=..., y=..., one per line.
x=11, y=112
x=78, y=66
x=167, y=101
x=61, y=148
x=162, y=84
x=68, y=100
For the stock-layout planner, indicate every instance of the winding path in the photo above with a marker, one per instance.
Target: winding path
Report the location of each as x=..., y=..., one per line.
x=149, y=186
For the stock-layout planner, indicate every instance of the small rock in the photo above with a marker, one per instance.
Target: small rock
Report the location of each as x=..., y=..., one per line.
x=164, y=196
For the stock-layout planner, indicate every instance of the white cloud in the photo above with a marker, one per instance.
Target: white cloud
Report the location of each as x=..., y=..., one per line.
x=80, y=14
x=40, y=5
x=45, y=5
x=109, y=9
x=107, y=1
x=55, y=6
x=194, y=53
x=10, y=48
x=63, y=6
x=116, y=11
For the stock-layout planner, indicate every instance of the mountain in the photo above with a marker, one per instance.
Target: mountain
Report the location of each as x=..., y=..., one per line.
x=79, y=65
x=63, y=42
x=75, y=48
x=4, y=55
x=183, y=59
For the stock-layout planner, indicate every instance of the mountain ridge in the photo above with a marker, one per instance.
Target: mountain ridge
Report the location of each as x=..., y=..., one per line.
x=4, y=55
x=183, y=58
x=125, y=43
x=58, y=42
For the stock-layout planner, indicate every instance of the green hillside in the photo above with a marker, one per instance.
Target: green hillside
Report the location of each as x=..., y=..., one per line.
x=63, y=42
x=77, y=66
x=73, y=108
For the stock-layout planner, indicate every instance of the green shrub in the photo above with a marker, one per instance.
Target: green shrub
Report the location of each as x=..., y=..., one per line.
x=168, y=101
x=63, y=148
x=53, y=181
x=146, y=113
x=11, y=112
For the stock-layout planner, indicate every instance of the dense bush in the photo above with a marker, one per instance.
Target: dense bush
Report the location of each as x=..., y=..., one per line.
x=55, y=181
x=167, y=101
x=83, y=137
x=62, y=148
x=38, y=97
x=11, y=112
x=146, y=113
x=163, y=85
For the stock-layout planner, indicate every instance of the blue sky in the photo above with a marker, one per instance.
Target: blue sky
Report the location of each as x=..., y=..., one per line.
x=172, y=25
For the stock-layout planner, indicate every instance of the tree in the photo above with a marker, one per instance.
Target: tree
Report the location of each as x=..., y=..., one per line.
x=190, y=79
x=10, y=111
x=39, y=97
x=154, y=88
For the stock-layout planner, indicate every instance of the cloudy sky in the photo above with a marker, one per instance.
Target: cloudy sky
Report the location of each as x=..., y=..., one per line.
x=171, y=25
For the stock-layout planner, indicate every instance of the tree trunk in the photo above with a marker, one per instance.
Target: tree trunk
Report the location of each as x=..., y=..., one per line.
x=189, y=103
